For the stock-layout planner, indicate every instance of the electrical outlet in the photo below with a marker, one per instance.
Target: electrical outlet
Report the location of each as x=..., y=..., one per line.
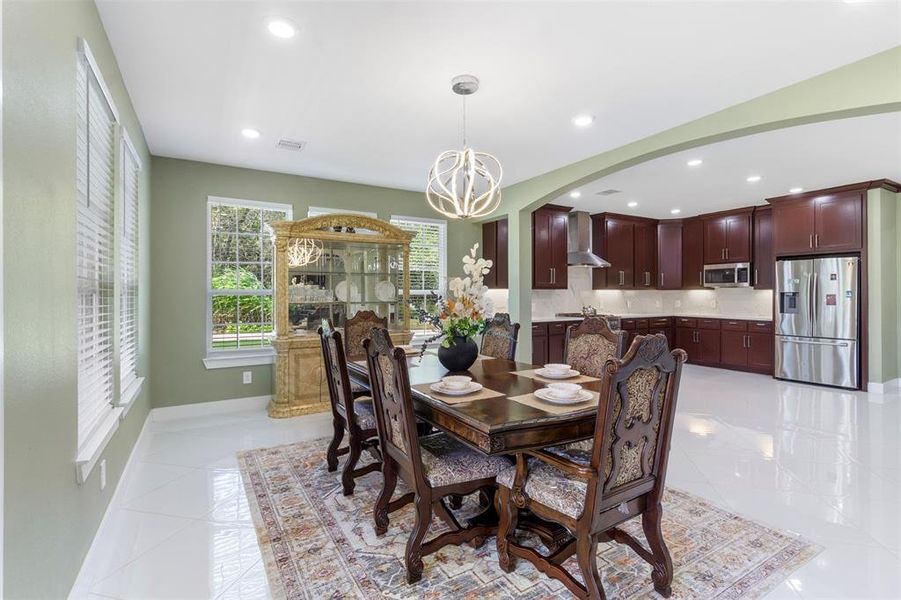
x=102, y=474
x=248, y=377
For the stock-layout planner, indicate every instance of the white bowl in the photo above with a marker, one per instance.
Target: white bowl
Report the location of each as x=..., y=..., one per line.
x=558, y=368
x=456, y=382
x=565, y=390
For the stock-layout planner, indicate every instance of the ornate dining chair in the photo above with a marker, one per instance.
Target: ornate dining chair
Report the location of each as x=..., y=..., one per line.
x=499, y=338
x=591, y=343
x=433, y=466
x=357, y=328
x=350, y=412
x=623, y=476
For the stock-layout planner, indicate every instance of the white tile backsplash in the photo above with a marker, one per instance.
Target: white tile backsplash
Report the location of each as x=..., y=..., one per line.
x=732, y=302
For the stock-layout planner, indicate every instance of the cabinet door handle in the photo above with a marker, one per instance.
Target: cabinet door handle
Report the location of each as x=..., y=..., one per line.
x=727, y=253
x=722, y=254
x=701, y=278
x=755, y=276
x=810, y=241
x=647, y=279
x=661, y=279
x=553, y=275
x=622, y=278
x=816, y=240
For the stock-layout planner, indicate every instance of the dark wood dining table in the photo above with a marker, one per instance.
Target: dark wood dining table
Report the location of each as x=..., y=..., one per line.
x=495, y=425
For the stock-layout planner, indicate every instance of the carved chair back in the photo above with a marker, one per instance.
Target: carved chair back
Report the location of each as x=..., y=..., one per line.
x=336, y=376
x=500, y=337
x=393, y=403
x=634, y=426
x=591, y=343
x=357, y=328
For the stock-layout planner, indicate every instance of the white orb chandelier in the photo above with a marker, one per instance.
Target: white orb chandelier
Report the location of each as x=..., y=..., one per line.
x=303, y=251
x=464, y=183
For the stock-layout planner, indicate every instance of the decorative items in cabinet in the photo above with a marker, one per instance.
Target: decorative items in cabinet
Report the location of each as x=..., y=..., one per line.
x=362, y=264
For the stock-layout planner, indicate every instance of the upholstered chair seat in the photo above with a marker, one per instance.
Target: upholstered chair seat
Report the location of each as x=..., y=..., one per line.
x=499, y=338
x=550, y=487
x=447, y=461
x=365, y=413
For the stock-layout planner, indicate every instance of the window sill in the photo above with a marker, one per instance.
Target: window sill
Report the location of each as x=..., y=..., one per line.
x=225, y=361
x=90, y=453
x=129, y=395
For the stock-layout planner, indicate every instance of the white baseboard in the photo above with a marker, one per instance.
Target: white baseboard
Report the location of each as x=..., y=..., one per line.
x=886, y=387
x=216, y=407
x=82, y=585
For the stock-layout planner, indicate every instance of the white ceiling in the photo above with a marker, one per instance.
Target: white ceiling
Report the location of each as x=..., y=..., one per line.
x=366, y=84
x=812, y=157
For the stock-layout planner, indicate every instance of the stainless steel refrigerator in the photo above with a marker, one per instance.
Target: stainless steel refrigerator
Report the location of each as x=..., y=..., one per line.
x=817, y=315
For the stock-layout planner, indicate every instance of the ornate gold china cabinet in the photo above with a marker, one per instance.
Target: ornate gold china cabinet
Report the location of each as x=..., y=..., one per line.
x=331, y=266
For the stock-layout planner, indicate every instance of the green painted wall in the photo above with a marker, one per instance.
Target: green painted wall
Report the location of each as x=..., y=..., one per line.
x=50, y=520
x=884, y=252
x=178, y=252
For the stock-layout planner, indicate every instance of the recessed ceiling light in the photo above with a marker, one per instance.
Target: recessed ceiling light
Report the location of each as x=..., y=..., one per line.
x=583, y=120
x=281, y=28
x=695, y=162
x=632, y=204
x=676, y=211
x=575, y=194
x=250, y=134
x=753, y=179
x=796, y=190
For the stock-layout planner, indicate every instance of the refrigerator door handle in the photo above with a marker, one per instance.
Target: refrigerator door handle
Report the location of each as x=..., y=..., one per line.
x=810, y=307
x=814, y=342
x=815, y=292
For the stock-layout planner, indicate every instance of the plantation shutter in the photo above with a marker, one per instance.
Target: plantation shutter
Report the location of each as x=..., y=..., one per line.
x=428, y=254
x=95, y=188
x=128, y=269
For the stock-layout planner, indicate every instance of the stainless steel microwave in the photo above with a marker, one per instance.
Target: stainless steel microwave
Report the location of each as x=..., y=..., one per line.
x=727, y=275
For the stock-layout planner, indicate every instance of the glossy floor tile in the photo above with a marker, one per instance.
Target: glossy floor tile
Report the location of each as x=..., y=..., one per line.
x=823, y=463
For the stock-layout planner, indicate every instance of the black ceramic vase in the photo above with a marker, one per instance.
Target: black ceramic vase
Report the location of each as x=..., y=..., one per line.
x=460, y=355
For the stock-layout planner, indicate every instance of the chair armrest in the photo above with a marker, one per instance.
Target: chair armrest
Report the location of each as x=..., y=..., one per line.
x=558, y=462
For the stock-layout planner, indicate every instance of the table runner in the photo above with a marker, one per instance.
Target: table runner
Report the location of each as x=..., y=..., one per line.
x=555, y=409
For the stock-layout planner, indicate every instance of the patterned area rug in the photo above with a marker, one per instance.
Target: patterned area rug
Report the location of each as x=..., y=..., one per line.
x=317, y=543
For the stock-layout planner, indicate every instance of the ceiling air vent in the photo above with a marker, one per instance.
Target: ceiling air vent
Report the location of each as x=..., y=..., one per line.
x=609, y=192
x=288, y=144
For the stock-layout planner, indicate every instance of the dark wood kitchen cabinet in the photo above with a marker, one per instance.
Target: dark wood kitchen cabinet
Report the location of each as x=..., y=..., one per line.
x=494, y=248
x=549, y=341
x=764, y=274
x=539, y=344
x=669, y=256
x=549, y=248
x=700, y=338
x=727, y=237
x=663, y=325
x=619, y=250
x=692, y=254
x=748, y=345
x=645, y=261
x=822, y=223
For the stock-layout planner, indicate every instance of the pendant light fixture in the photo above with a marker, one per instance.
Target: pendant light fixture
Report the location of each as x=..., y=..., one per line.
x=464, y=183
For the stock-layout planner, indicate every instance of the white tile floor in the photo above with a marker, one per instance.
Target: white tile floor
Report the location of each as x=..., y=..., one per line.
x=821, y=462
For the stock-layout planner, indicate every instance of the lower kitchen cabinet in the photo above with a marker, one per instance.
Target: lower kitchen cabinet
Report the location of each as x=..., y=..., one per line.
x=549, y=341
x=700, y=338
x=539, y=344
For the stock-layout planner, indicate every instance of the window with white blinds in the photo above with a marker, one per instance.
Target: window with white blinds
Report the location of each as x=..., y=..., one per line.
x=428, y=263
x=128, y=271
x=95, y=185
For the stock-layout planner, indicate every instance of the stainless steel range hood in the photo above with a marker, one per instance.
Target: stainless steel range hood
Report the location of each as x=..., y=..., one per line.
x=579, y=231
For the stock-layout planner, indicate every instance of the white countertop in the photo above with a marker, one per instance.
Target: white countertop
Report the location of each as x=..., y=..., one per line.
x=648, y=315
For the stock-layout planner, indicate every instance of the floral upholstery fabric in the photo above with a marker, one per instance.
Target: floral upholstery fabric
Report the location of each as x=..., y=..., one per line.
x=364, y=413
x=587, y=353
x=446, y=461
x=357, y=329
x=499, y=339
x=392, y=400
x=550, y=486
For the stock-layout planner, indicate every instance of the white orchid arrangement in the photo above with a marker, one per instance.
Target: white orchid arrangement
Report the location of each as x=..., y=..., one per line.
x=466, y=310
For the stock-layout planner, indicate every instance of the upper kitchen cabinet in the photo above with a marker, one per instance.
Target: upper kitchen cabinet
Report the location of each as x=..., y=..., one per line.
x=764, y=258
x=819, y=222
x=727, y=237
x=549, y=248
x=494, y=248
x=669, y=255
x=692, y=254
x=645, y=261
x=629, y=244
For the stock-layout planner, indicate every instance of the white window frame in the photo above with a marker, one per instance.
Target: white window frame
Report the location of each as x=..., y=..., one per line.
x=90, y=449
x=224, y=359
x=129, y=388
x=420, y=336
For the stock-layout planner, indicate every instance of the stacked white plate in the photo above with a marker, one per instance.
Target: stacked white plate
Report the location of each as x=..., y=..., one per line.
x=443, y=389
x=563, y=393
x=556, y=371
